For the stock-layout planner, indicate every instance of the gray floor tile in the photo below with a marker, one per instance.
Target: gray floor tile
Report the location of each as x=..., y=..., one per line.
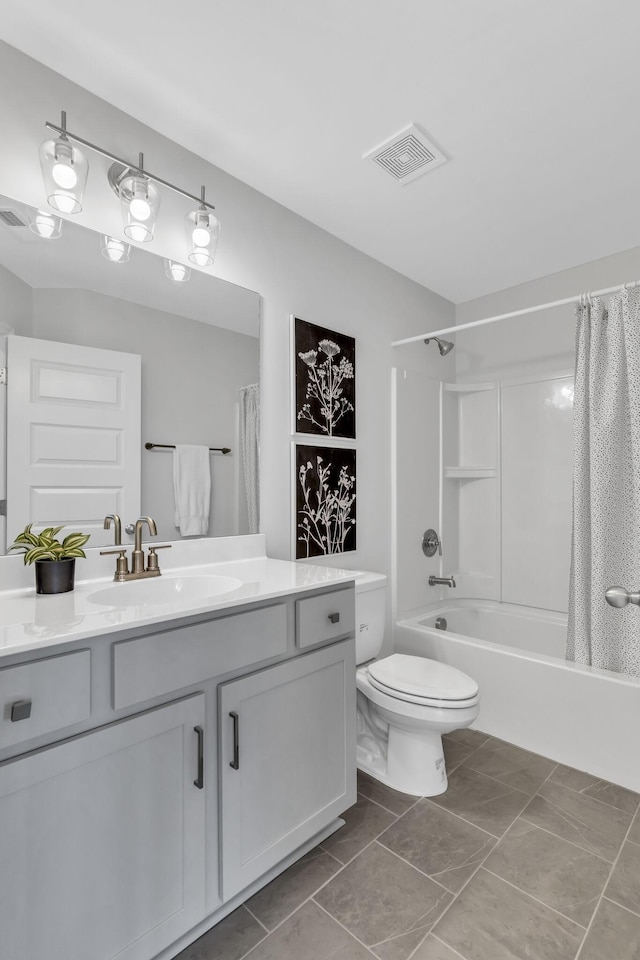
x=392, y=800
x=398, y=948
x=614, y=935
x=563, y=876
x=438, y=843
x=597, y=789
x=624, y=885
x=434, y=949
x=312, y=935
x=364, y=822
x=634, y=833
x=468, y=738
x=379, y=898
x=285, y=894
x=592, y=825
x=228, y=940
x=455, y=753
x=481, y=800
x=510, y=765
x=491, y=920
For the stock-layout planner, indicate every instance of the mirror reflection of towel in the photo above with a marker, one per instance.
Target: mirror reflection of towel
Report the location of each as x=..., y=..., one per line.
x=191, y=489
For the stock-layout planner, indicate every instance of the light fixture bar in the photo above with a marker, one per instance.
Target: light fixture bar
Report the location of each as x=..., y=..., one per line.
x=111, y=156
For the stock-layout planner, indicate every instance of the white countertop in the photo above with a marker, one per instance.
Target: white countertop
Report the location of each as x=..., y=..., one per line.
x=32, y=622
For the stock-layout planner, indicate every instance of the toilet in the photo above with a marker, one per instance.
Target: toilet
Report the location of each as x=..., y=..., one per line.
x=404, y=704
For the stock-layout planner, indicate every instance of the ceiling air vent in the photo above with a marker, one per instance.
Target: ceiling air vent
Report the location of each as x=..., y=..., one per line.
x=407, y=155
x=11, y=219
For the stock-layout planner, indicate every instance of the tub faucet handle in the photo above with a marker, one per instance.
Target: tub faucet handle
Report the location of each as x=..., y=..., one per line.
x=430, y=543
x=620, y=597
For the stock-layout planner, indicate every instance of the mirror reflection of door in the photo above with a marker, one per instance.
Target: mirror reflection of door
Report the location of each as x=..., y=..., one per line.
x=73, y=436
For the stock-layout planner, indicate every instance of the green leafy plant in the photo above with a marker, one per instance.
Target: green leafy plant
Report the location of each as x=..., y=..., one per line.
x=44, y=546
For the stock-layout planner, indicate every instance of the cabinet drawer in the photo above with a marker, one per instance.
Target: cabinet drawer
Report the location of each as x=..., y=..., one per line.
x=323, y=618
x=59, y=691
x=164, y=662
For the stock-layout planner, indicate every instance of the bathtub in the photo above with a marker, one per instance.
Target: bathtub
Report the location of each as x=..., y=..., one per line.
x=530, y=695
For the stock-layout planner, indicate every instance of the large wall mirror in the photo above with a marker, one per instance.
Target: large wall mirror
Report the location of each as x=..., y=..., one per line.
x=198, y=342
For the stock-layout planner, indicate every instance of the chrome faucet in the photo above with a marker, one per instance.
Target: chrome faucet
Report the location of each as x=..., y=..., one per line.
x=138, y=571
x=444, y=581
x=117, y=525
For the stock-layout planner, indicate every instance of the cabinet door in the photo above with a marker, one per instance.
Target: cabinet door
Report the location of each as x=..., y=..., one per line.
x=102, y=841
x=295, y=738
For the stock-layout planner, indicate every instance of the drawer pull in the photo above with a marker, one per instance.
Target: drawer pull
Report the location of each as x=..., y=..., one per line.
x=199, y=783
x=334, y=617
x=235, y=763
x=20, y=710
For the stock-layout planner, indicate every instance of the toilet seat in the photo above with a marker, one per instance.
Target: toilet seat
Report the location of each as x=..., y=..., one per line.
x=423, y=681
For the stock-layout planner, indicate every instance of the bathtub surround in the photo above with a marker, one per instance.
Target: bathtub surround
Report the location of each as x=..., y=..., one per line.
x=533, y=859
x=606, y=514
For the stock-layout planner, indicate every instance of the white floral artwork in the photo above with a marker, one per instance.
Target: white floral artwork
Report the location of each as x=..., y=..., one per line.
x=325, y=501
x=325, y=381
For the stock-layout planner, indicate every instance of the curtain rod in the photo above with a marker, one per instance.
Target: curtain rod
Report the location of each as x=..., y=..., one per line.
x=513, y=313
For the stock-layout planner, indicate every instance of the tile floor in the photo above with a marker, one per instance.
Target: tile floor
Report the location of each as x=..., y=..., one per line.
x=521, y=859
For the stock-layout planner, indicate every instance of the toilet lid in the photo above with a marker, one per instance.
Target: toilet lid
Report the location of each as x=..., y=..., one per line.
x=422, y=678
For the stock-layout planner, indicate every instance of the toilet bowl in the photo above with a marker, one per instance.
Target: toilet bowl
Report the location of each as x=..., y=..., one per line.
x=404, y=703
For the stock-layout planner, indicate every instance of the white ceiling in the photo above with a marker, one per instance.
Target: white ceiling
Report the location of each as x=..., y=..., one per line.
x=534, y=101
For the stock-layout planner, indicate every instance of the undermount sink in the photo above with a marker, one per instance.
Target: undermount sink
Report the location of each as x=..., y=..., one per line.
x=164, y=590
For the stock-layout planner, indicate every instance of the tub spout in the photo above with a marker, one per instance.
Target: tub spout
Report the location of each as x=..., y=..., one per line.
x=445, y=581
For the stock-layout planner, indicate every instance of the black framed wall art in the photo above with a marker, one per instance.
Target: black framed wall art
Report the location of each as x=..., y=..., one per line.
x=325, y=500
x=324, y=382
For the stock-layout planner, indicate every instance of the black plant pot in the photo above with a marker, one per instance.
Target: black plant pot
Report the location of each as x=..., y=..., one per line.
x=55, y=576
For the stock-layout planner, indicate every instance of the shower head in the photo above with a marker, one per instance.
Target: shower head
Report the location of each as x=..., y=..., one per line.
x=444, y=346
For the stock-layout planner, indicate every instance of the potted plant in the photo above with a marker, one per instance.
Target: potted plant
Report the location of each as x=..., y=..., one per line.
x=55, y=561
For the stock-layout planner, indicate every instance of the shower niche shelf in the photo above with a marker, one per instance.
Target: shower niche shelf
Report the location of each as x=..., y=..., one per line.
x=469, y=473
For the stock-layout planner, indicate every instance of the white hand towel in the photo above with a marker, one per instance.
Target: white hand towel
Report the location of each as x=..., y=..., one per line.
x=191, y=489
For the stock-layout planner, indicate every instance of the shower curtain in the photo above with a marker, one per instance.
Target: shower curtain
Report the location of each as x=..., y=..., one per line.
x=606, y=485
x=250, y=447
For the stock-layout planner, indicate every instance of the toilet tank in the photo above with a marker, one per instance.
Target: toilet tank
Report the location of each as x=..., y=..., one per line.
x=371, y=596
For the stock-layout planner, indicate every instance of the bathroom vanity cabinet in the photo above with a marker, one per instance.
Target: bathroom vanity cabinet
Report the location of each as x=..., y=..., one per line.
x=163, y=775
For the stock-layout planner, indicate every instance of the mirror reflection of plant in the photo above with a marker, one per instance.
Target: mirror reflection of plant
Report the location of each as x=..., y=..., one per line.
x=325, y=386
x=326, y=513
x=45, y=546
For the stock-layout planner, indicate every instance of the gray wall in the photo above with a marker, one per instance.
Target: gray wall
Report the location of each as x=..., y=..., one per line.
x=295, y=266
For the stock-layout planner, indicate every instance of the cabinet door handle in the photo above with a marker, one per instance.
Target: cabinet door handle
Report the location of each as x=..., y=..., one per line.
x=199, y=783
x=334, y=617
x=235, y=763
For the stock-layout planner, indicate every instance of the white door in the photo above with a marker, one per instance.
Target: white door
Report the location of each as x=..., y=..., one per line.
x=102, y=841
x=73, y=436
x=294, y=768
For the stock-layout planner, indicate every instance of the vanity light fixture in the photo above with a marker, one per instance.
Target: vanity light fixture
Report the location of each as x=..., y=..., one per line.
x=45, y=225
x=140, y=201
x=203, y=231
x=64, y=170
x=116, y=251
x=177, y=272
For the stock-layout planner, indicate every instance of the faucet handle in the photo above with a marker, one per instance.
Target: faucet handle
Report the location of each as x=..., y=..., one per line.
x=122, y=567
x=430, y=543
x=152, y=562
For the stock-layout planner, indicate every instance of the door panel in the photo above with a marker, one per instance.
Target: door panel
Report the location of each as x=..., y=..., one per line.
x=73, y=436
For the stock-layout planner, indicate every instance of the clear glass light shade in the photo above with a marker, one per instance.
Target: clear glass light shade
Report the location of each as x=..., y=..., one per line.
x=116, y=251
x=177, y=272
x=203, y=232
x=45, y=225
x=64, y=171
x=140, y=201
